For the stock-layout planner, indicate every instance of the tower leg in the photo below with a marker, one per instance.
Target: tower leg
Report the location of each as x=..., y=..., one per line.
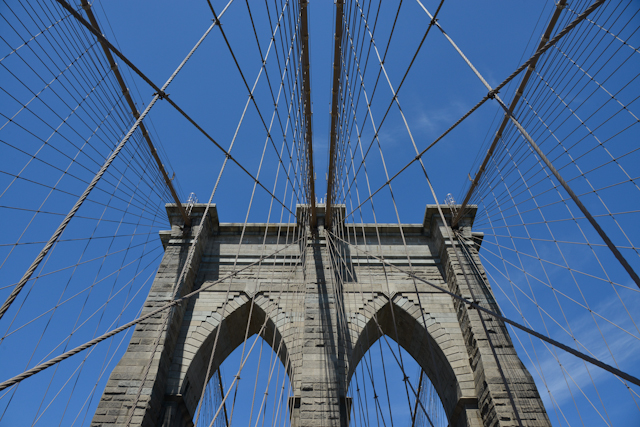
x=322, y=399
x=140, y=378
x=507, y=394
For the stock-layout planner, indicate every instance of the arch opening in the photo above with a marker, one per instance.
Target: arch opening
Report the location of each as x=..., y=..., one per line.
x=259, y=397
x=413, y=346
x=222, y=361
x=381, y=396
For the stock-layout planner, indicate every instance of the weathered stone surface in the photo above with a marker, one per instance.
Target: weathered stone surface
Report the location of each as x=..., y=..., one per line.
x=320, y=319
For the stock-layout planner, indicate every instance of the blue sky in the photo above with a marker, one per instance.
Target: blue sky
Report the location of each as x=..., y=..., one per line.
x=496, y=36
x=211, y=91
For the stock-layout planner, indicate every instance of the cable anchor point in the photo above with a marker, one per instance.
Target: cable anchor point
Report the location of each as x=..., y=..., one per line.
x=161, y=94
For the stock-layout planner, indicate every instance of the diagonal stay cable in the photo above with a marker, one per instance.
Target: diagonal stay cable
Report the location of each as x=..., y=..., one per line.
x=490, y=95
x=160, y=91
x=514, y=102
x=517, y=325
x=415, y=55
x=376, y=131
x=625, y=264
x=64, y=356
x=134, y=111
x=251, y=90
x=63, y=225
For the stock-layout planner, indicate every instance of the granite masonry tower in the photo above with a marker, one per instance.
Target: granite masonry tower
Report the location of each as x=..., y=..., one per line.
x=320, y=316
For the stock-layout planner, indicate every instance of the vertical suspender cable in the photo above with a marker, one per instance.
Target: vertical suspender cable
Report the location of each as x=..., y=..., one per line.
x=523, y=83
x=306, y=79
x=616, y=252
x=63, y=225
x=127, y=94
x=335, y=93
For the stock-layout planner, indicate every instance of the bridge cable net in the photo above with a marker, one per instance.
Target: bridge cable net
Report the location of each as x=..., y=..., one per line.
x=65, y=109
x=580, y=98
x=64, y=113
x=550, y=262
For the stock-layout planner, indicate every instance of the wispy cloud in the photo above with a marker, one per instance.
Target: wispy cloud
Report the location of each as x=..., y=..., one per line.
x=433, y=121
x=562, y=378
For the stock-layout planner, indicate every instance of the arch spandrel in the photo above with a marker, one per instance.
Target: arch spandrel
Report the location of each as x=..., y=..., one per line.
x=438, y=348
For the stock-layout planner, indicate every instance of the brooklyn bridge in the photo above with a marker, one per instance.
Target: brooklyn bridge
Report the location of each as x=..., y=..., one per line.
x=306, y=213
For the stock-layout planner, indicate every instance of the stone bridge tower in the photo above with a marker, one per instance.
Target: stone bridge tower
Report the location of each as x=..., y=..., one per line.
x=320, y=319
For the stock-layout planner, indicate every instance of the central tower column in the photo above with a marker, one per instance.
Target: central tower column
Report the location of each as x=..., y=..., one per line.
x=321, y=376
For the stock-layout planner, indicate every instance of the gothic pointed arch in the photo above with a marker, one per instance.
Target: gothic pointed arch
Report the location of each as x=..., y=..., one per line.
x=215, y=336
x=429, y=342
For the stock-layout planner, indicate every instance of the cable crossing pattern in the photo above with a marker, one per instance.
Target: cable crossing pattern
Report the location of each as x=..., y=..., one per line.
x=460, y=249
